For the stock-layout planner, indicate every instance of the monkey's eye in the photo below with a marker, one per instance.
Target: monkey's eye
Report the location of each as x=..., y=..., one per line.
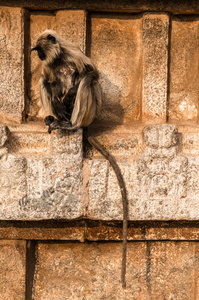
x=51, y=38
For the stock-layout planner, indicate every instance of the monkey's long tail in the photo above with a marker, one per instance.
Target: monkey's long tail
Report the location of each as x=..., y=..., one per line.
x=99, y=147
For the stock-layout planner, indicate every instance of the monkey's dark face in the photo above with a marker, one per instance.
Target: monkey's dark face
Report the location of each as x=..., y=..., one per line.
x=40, y=52
x=47, y=47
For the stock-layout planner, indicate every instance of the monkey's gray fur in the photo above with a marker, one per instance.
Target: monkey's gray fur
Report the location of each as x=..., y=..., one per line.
x=71, y=96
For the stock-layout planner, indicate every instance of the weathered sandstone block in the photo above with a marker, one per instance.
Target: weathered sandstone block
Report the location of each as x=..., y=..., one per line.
x=155, y=64
x=44, y=185
x=155, y=270
x=116, y=49
x=161, y=183
x=160, y=136
x=11, y=62
x=12, y=269
x=83, y=271
x=184, y=70
x=173, y=271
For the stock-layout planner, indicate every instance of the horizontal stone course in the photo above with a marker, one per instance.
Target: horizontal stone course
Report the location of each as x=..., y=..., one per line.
x=97, y=232
x=161, y=182
x=109, y=6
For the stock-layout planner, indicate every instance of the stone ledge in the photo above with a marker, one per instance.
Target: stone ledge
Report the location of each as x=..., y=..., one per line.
x=87, y=230
x=161, y=179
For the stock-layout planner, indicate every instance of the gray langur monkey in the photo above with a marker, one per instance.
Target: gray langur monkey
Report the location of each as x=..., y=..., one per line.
x=71, y=96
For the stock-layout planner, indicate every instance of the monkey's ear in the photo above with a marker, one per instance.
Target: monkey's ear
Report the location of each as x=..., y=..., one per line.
x=51, y=38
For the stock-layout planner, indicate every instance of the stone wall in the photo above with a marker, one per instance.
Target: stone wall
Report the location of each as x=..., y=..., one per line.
x=60, y=204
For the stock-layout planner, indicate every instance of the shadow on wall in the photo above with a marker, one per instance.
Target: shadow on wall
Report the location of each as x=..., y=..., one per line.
x=112, y=112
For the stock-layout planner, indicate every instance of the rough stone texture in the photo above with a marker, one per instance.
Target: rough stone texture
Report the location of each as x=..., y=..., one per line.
x=155, y=270
x=71, y=25
x=89, y=271
x=43, y=176
x=182, y=7
x=12, y=270
x=186, y=233
x=30, y=143
x=160, y=136
x=155, y=64
x=173, y=270
x=43, y=187
x=11, y=61
x=184, y=70
x=101, y=233
x=162, y=184
x=190, y=143
x=120, y=74
x=121, y=140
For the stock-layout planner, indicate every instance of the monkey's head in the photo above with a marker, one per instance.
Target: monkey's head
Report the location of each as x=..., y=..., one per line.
x=48, y=46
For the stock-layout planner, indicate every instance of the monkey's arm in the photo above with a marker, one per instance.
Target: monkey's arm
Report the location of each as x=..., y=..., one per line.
x=46, y=94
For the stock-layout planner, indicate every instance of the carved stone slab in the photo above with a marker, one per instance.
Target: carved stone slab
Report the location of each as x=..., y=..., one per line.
x=42, y=187
x=162, y=184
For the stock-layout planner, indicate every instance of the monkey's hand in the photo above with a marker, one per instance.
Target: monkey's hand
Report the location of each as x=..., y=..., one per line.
x=48, y=120
x=54, y=124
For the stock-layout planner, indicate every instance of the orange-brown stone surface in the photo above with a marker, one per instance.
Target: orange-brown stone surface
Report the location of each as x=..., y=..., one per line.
x=155, y=65
x=116, y=50
x=12, y=64
x=155, y=270
x=89, y=271
x=184, y=70
x=12, y=269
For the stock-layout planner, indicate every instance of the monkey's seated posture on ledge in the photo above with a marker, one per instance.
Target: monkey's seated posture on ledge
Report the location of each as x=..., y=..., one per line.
x=71, y=96
x=69, y=83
